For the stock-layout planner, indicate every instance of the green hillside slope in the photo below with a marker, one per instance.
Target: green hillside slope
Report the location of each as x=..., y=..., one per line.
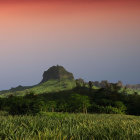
x=46, y=87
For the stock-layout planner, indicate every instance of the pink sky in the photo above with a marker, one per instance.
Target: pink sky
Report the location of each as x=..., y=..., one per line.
x=94, y=40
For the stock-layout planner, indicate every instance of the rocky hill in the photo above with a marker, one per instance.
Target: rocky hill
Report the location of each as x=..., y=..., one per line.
x=55, y=79
x=57, y=73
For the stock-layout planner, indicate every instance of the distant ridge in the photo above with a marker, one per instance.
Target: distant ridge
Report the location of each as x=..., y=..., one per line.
x=57, y=73
x=137, y=86
x=57, y=78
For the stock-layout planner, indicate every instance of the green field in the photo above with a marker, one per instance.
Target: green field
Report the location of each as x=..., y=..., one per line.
x=53, y=126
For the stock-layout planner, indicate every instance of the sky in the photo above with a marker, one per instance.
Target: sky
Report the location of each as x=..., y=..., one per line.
x=94, y=39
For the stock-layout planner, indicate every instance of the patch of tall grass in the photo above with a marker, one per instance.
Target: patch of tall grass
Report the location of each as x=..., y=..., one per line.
x=64, y=126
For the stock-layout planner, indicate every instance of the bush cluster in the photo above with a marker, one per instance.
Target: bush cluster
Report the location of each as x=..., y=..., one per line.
x=81, y=99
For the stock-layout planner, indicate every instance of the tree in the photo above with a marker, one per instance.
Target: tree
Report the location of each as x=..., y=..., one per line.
x=80, y=103
x=37, y=106
x=120, y=105
x=104, y=102
x=135, y=93
x=112, y=88
x=51, y=105
x=90, y=83
x=80, y=82
x=120, y=84
x=1, y=104
x=105, y=84
x=62, y=106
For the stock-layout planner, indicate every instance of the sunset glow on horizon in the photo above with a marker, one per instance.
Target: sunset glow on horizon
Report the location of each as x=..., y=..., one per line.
x=94, y=40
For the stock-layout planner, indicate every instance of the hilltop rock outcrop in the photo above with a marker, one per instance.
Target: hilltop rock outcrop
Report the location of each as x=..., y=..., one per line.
x=57, y=73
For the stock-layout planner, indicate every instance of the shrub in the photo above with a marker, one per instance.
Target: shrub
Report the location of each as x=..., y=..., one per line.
x=120, y=105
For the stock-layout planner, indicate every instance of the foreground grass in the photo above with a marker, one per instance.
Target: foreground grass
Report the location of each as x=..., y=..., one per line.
x=70, y=127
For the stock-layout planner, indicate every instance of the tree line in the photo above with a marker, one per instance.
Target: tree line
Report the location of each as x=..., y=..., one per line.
x=82, y=99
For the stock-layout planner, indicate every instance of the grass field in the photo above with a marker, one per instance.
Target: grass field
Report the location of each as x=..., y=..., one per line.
x=59, y=126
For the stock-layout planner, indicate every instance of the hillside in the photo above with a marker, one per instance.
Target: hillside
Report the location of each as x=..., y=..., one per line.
x=59, y=91
x=46, y=87
x=55, y=79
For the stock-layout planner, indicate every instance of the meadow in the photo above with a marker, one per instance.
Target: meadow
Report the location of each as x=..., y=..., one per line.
x=65, y=126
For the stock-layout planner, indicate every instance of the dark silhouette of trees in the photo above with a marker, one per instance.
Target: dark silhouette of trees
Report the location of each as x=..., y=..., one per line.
x=80, y=83
x=90, y=84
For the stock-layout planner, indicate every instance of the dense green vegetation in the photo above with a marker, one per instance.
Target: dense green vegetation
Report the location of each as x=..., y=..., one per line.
x=64, y=126
x=80, y=99
x=59, y=92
